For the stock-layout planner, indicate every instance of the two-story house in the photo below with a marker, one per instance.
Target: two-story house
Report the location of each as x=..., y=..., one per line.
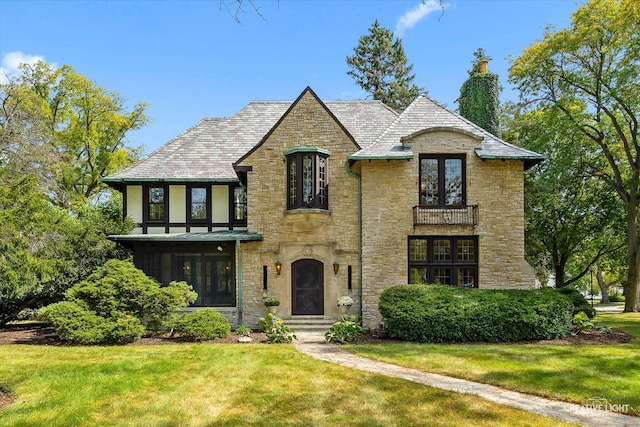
x=311, y=200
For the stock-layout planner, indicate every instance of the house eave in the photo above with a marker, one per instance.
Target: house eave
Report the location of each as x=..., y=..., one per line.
x=356, y=157
x=214, y=236
x=529, y=160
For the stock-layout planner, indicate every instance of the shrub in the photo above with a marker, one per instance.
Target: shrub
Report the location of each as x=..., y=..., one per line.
x=115, y=304
x=123, y=329
x=201, y=325
x=582, y=322
x=280, y=334
x=269, y=322
x=243, y=330
x=275, y=330
x=578, y=300
x=74, y=323
x=438, y=313
x=119, y=287
x=616, y=297
x=77, y=325
x=27, y=314
x=344, y=331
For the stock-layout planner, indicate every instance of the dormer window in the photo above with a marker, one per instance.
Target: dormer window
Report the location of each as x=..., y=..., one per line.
x=307, y=178
x=442, y=180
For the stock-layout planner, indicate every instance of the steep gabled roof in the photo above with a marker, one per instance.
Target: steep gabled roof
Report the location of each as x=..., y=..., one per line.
x=208, y=150
x=425, y=114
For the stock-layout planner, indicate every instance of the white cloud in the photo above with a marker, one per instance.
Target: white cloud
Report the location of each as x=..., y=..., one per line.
x=415, y=15
x=12, y=60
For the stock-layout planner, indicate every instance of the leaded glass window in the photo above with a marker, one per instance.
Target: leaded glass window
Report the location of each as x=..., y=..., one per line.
x=442, y=180
x=240, y=203
x=307, y=180
x=198, y=209
x=156, y=203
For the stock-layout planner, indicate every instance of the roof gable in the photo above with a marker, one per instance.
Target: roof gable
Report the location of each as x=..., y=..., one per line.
x=426, y=115
x=306, y=92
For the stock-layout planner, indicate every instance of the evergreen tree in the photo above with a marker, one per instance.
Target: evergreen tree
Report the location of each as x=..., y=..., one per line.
x=379, y=66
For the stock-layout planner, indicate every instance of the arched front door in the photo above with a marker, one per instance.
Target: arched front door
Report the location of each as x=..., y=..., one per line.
x=307, y=287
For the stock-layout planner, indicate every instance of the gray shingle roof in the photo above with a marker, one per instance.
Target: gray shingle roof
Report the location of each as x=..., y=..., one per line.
x=424, y=114
x=207, y=151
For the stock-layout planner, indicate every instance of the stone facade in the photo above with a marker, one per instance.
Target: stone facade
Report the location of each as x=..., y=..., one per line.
x=325, y=236
x=373, y=181
x=390, y=191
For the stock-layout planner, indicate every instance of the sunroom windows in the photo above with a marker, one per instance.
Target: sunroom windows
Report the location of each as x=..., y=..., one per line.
x=307, y=178
x=450, y=260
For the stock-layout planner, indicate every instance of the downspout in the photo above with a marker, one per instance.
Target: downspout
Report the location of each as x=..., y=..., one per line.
x=359, y=178
x=240, y=290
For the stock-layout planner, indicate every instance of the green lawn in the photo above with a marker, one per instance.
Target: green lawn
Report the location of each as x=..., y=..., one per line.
x=569, y=373
x=222, y=385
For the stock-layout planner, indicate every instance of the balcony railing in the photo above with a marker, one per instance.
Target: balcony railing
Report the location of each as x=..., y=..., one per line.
x=437, y=215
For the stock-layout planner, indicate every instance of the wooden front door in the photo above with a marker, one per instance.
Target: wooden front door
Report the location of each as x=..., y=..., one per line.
x=307, y=287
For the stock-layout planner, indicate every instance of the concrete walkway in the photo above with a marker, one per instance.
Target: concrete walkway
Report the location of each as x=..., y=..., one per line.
x=314, y=345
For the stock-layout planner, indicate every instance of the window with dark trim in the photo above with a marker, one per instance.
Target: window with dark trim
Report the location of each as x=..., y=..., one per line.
x=211, y=272
x=239, y=205
x=157, y=203
x=307, y=180
x=450, y=260
x=442, y=180
x=198, y=197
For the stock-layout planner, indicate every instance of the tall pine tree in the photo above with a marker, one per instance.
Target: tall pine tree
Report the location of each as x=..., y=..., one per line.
x=379, y=66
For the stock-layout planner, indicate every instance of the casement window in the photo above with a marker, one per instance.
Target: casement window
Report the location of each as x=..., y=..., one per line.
x=442, y=180
x=307, y=179
x=450, y=260
x=239, y=205
x=157, y=203
x=198, y=203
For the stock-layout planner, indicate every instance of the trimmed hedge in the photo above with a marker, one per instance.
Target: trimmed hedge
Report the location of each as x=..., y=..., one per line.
x=439, y=313
x=202, y=325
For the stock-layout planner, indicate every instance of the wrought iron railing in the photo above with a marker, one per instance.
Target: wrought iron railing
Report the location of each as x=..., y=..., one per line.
x=458, y=215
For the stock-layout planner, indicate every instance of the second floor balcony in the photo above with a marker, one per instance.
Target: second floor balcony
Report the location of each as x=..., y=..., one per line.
x=445, y=215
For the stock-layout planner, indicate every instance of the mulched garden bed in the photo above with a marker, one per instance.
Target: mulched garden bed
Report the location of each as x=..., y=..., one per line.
x=40, y=334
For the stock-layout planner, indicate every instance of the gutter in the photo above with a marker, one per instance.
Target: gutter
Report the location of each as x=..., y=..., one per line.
x=240, y=281
x=359, y=178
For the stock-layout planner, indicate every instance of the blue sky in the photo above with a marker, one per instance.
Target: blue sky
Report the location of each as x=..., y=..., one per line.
x=190, y=59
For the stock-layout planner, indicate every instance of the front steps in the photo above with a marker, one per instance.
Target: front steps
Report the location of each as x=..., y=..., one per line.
x=309, y=323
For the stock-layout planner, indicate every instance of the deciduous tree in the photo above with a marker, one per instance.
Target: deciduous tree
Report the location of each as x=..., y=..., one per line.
x=67, y=130
x=589, y=76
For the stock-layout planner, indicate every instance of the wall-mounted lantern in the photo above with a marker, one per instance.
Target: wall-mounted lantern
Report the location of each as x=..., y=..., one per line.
x=278, y=267
x=336, y=267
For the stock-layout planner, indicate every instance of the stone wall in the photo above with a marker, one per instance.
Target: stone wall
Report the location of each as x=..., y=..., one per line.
x=323, y=235
x=390, y=191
